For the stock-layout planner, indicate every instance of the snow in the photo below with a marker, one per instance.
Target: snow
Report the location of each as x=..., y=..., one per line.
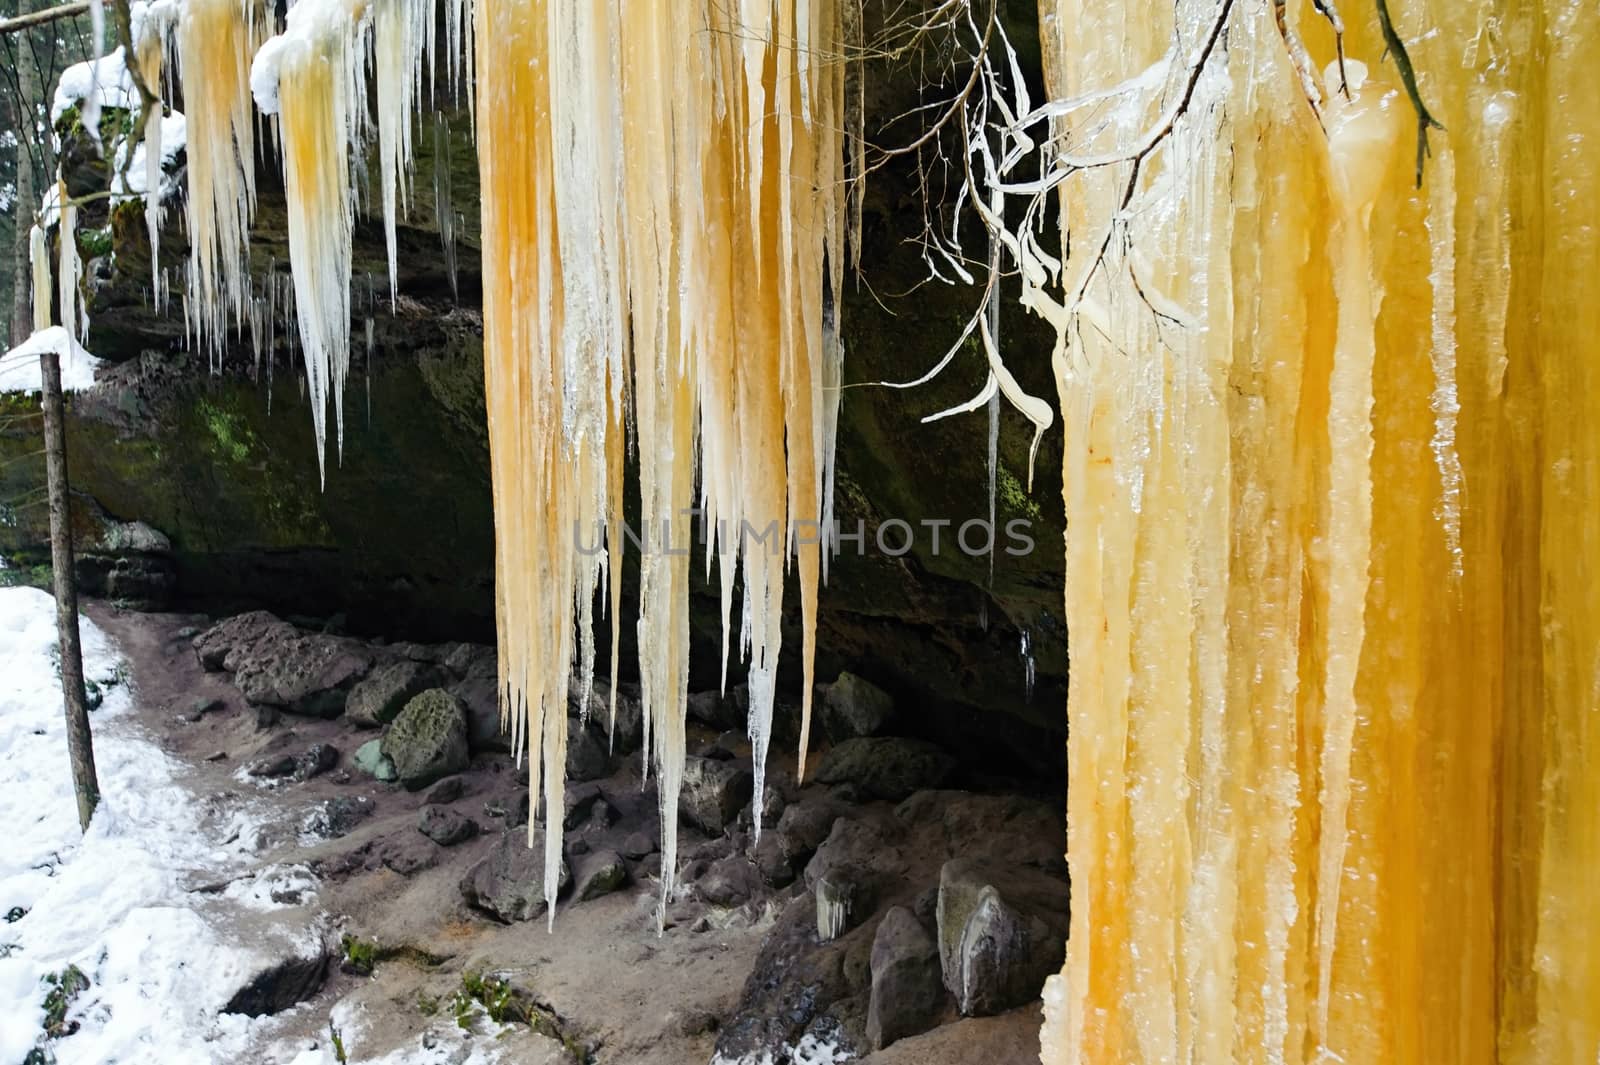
x=110, y=902
x=112, y=86
x=174, y=138
x=264, y=74
x=118, y=901
x=19, y=367
x=811, y=1050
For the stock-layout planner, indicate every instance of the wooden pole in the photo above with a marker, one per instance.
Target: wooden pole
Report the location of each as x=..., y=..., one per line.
x=80, y=743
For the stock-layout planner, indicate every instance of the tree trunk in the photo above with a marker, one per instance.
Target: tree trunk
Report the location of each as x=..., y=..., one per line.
x=80, y=744
x=27, y=199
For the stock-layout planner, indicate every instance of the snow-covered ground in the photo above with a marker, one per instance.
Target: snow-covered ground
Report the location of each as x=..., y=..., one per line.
x=116, y=902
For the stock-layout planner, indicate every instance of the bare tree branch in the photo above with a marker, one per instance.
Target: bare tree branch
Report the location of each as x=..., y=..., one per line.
x=41, y=17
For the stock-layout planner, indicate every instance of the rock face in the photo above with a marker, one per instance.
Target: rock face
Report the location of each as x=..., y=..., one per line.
x=854, y=707
x=713, y=793
x=130, y=562
x=509, y=883
x=428, y=740
x=907, y=992
x=886, y=767
x=379, y=698
x=1002, y=930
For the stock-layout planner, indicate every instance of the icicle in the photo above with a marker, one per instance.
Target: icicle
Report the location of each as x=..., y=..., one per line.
x=369, y=327
x=833, y=910
x=609, y=294
x=1331, y=713
x=1446, y=404
x=400, y=31
x=39, y=255
x=1025, y=652
x=313, y=77
x=74, y=317
x=215, y=40
x=443, y=198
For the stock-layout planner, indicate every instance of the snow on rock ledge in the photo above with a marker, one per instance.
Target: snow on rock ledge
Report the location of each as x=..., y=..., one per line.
x=19, y=367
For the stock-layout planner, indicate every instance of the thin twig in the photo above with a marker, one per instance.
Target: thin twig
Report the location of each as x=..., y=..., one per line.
x=1150, y=144
x=959, y=103
x=1394, y=46
x=1329, y=9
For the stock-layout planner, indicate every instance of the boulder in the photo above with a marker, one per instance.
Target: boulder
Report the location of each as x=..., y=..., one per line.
x=599, y=874
x=886, y=767
x=428, y=740
x=586, y=753
x=305, y=673
x=480, y=698
x=907, y=992
x=1002, y=930
x=627, y=732
x=729, y=882
x=408, y=855
x=802, y=828
x=509, y=883
x=446, y=827
x=713, y=793
x=370, y=759
x=775, y=868
x=379, y=698
x=643, y=842
x=317, y=759
x=338, y=817
x=854, y=707
x=445, y=792
x=848, y=873
x=710, y=708
x=272, y=767
x=580, y=804
x=797, y=987
x=199, y=706
x=242, y=633
x=471, y=660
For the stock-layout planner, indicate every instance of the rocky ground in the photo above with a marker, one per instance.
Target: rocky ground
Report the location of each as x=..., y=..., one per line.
x=884, y=915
